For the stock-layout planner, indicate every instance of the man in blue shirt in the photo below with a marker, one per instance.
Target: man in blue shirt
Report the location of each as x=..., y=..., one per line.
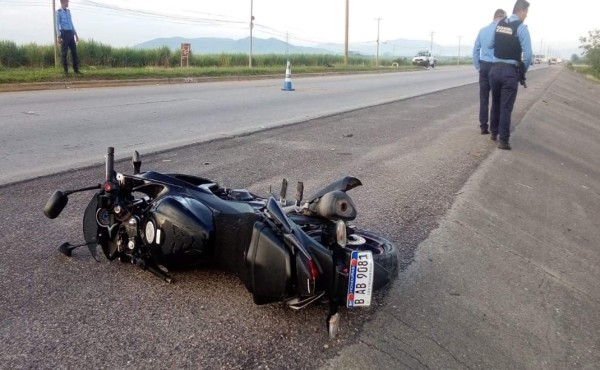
x=512, y=53
x=67, y=36
x=483, y=56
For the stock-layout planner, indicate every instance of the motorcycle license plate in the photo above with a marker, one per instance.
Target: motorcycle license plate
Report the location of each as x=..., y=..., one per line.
x=360, y=279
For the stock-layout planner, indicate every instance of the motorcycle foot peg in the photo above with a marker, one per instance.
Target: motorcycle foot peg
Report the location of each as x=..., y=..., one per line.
x=333, y=325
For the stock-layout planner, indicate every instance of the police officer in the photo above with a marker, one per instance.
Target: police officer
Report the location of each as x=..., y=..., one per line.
x=511, y=41
x=483, y=56
x=67, y=36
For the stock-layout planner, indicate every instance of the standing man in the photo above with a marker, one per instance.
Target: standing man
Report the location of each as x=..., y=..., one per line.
x=483, y=56
x=67, y=36
x=511, y=41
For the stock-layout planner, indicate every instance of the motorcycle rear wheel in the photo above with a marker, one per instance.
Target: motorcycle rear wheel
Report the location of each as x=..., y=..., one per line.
x=385, y=254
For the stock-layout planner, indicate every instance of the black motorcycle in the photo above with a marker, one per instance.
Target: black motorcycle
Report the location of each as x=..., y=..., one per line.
x=291, y=251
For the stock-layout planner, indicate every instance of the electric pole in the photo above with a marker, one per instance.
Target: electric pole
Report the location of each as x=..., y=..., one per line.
x=377, y=55
x=346, y=32
x=431, y=46
x=251, y=26
x=458, y=59
x=54, y=33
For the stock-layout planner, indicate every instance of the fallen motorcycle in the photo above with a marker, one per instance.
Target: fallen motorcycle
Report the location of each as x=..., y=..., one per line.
x=292, y=251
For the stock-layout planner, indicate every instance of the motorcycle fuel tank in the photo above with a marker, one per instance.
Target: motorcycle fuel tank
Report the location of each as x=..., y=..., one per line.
x=178, y=231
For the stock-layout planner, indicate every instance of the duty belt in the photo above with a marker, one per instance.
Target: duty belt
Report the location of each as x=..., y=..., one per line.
x=502, y=64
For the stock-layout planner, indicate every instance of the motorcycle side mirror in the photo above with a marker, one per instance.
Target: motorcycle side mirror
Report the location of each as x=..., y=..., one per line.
x=54, y=206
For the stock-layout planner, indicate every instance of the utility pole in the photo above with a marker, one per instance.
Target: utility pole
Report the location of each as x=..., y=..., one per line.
x=251, y=27
x=431, y=46
x=458, y=59
x=346, y=32
x=377, y=55
x=54, y=33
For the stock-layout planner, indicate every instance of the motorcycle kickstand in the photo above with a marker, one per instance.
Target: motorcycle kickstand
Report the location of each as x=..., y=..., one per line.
x=333, y=320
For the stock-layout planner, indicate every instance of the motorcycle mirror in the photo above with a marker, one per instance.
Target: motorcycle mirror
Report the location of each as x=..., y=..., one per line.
x=54, y=206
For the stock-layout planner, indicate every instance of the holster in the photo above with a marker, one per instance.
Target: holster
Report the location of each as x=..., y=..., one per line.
x=521, y=74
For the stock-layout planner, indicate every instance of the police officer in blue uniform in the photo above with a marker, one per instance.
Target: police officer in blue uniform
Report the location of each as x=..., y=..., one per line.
x=483, y=56
x=67, y=36
x=512, y=40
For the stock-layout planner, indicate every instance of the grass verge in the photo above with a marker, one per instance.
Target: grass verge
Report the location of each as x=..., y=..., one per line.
x=29, y=75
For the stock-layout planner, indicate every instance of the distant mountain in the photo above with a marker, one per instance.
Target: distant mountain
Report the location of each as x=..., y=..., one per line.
x=390, y=49
x=215, y=45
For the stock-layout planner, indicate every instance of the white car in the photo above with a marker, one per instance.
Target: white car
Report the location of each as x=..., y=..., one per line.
x=424, y=58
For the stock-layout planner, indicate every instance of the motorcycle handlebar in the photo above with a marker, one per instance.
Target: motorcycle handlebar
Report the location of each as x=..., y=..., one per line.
x=110, y=162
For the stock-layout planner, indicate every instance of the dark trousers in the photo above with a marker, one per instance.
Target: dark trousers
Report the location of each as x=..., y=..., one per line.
x=69, y=43
x=484, y=94
x=504, y=83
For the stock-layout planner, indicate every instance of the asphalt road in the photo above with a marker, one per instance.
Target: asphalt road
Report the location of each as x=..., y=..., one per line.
x=413, y=156
x=44, y=132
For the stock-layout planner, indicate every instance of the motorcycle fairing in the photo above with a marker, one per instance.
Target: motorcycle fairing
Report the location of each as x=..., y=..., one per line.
x=186, y=226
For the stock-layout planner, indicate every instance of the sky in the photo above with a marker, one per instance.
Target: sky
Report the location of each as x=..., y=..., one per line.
x=552, y=23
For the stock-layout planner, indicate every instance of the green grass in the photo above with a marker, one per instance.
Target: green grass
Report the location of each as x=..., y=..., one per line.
x=35, y=63
x=28, y=75
x=587, y=70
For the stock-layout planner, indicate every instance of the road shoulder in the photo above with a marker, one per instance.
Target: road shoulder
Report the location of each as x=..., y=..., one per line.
x=509, y=279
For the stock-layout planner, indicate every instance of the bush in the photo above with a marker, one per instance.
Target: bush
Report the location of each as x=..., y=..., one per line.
x=591, y=47
x=11, y=55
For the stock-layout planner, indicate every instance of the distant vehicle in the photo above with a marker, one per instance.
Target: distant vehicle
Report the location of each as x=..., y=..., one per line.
x=424, y=58
x=539, y=59
x=552, y=61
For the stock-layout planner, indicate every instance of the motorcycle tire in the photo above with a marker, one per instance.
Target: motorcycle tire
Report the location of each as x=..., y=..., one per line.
x=385, y=254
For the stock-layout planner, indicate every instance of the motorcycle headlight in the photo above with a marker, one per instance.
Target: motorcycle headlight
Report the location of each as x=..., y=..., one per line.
x=340, y=233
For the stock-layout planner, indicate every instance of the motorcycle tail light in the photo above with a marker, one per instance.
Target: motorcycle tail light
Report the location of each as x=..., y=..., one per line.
x=108, y=186
x=314, y=272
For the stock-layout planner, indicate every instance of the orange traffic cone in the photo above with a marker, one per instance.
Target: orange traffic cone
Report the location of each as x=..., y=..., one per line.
x=287, y=83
